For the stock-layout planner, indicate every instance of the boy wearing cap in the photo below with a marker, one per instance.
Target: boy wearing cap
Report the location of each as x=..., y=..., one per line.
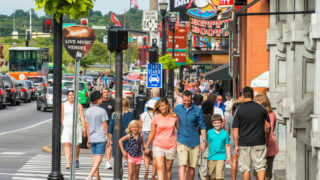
x=97, y=131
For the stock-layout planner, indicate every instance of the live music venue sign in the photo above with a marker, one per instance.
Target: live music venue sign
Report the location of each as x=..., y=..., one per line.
x=211, y=28
x=78, y=40
x=180, y=41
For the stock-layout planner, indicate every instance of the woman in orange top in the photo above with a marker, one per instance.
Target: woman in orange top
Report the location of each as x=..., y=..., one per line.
x=164, y=138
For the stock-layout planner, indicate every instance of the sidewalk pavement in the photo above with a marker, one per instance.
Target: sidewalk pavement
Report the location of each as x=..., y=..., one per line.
x=86, y=159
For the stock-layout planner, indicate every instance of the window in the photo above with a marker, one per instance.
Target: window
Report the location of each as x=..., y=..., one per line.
x=309, y=5
x=281, y=7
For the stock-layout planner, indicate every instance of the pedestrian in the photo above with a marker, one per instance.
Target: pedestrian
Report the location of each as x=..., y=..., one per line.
x=207, y=109
x=145, y=120
x=219, y=149
x=188, y=145
x=198, y=98
x=228, y=127
x=164, y=138
x=96, y=128
x=220, y=103
x=177, y=96
x=108, y=104
x=67, y=126
x=133, y=152
x=251, y=127
x=272, y=146
x=127, y=117
x=104, y=81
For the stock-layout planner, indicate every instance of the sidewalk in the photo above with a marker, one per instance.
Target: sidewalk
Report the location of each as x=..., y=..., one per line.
x=86, y=164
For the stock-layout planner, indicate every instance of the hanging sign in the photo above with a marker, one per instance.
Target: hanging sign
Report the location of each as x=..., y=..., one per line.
x=180, y=42
x=78, y=40
x=208, y=28
x=225, y=3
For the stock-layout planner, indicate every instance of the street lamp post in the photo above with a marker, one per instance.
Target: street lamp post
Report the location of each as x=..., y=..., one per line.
x=163, y=10
x=173, y=20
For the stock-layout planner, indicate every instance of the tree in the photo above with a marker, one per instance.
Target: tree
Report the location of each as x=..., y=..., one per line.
x=98, y=54
x=73, y=8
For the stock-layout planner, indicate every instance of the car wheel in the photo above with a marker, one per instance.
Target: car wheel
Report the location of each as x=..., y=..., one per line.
x=1, y=105
x=43, y=108
x=14, y=102
x=25, y=100
x=38, y=107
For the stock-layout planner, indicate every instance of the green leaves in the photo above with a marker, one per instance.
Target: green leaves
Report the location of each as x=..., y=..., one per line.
x=168, y=62
x=73, y=8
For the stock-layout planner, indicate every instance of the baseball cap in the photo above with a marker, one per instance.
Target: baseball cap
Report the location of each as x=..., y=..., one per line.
x=151, y=103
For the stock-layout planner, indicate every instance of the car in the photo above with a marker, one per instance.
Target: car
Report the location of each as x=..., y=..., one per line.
x=25, y=91
x=32, y=89
x=154, y=78
x=50, y=79
x=127, y=92
x=13, y=94
x=3, y=95
x=83, y=92
x=40, y=83
x=45, y=100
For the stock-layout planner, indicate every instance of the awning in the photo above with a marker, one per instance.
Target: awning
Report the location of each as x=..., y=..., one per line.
x=220, y=73
x=261, y=81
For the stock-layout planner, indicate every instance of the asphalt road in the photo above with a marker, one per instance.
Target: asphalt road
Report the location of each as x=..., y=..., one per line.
x=23, y=132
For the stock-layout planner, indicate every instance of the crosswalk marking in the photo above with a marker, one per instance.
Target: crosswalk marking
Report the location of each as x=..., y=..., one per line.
x=39, y=167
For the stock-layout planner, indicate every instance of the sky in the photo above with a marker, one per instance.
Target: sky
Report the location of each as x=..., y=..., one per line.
x=118, y=6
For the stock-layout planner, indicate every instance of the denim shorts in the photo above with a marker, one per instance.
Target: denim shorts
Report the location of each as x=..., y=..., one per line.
x=98, y=148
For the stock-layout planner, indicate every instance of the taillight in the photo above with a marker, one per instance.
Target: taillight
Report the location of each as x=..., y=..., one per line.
x=11, y=90
x=23, y=90
x=86, y=94
x=0, y=91
x=44, y=84
x=31, y=89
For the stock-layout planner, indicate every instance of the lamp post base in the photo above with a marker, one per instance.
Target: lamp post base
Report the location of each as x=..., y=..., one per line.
x=55, y=176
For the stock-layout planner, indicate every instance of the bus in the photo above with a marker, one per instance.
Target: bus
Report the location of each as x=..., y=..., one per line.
x=28, y=61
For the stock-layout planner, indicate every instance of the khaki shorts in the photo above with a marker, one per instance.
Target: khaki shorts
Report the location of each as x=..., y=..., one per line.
x=188, y=156
x=169, y=154
x=255, y=156
x=216, y=169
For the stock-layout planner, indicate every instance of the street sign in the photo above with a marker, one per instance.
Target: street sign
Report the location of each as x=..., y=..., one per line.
x=154, y=74
x=78, y=40
x=64, y=25
x=99, y=27
x=150, y=21
x=180, y=41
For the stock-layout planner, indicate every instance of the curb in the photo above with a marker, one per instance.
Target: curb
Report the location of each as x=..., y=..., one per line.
x=47, y=149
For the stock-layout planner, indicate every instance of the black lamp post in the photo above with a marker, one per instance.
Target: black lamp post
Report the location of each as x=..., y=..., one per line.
x=163, y=10
x=172, y=20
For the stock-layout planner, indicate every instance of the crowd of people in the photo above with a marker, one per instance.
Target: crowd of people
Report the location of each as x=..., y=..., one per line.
x=206, y=129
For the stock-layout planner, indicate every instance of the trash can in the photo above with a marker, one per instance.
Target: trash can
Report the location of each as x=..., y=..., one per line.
x=140, y=103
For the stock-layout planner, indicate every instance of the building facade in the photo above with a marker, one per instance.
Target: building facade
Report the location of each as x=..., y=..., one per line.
x=294, y=54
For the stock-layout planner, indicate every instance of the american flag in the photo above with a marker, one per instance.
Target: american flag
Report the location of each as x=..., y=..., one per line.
x=134, y=3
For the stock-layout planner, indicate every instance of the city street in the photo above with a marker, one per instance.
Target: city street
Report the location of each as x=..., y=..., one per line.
x=24, y=132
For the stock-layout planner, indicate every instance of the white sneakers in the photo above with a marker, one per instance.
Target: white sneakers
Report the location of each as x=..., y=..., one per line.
x=108, y=165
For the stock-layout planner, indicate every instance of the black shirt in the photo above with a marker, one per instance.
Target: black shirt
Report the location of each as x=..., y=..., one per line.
x=250, y=119
x=197, y=98
x=108, y=106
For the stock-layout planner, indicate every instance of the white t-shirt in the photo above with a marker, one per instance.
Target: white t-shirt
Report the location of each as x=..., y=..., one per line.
x=218, y=111
x=146, y=118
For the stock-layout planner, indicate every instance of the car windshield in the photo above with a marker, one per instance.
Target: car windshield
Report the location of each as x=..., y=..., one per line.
x=50, y=76
x=35, y=79
x=68, y=78
x=127, y=88
x=6, y=82
x=64, y=91
x=29, y=83
x=69, y=85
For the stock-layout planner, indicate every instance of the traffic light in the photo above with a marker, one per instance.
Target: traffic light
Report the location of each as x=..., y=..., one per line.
x=117, y=39
x=28, y=35
x=47, y=26
x=84, y=21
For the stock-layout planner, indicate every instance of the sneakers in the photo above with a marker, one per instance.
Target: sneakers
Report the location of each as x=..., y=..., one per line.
x=108, y=165
x=77, y=164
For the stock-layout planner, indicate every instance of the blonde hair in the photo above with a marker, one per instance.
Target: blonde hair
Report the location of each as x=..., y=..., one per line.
x=125, y=105
x=133, y=122
x=158, y=103
x=264, y=101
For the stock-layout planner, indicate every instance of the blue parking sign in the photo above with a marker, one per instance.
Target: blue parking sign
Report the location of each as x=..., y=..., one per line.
x=154, y=75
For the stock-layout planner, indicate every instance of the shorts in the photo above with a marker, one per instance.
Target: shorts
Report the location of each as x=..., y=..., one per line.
x=255, y=156
x=216, y=169
x=98, y=148
x=169, y=154
x=134, y=160
x=188, y=156
x=145, y=139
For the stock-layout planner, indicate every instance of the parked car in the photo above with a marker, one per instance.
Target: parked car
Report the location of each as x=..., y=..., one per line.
x=13, y=94
x=32, y=89
x=25, y=91
x=83, y=92
x=45, y=100
x=3, y=95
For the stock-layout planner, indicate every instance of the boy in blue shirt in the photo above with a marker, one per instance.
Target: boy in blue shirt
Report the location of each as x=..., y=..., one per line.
x=219, y=149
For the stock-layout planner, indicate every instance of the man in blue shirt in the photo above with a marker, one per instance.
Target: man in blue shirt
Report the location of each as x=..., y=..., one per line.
x=190, y=118
x=105, y=81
